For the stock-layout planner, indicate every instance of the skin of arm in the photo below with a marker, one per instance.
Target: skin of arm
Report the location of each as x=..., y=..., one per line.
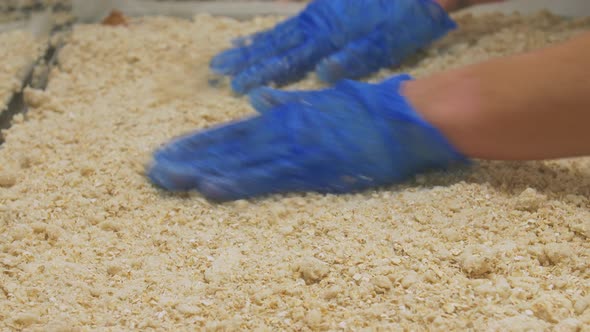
x=454, y=5
x=530, y=106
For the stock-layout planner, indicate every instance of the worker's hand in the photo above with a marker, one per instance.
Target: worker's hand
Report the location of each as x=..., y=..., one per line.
x=347, y=138
x=338, y=38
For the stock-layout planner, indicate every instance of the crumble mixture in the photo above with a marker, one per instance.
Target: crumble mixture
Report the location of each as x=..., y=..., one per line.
x=87, y=243
x=18, y=51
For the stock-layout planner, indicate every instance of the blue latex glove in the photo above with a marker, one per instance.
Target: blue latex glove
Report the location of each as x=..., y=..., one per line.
x=343, y=139
x=339, y=38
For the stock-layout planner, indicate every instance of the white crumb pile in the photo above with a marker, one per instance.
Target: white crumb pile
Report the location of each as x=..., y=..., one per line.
x=86, y=243
x=18, y=51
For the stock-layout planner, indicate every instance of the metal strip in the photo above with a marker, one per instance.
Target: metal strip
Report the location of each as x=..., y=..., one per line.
x=93, y=11
x=568, y=8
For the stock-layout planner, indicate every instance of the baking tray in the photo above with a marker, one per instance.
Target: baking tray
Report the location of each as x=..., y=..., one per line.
x=245, y=10
x=566, y=8
x=91, y=11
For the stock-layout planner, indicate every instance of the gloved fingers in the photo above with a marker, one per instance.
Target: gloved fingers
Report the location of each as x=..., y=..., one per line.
x=221, y=174
x=256, y=48
x=280, y=166
x=357, y=59
x=265, y=99
x=185, y=148
x=388, y=44
x=183, y=163
x=247, y=158
x=282, y=69
x=273, y=177
x=173, y=176
x=328, y=100
x=369, y=54
x=217, y=180
x=311, y=171
x=283, y=133
x=287, y=52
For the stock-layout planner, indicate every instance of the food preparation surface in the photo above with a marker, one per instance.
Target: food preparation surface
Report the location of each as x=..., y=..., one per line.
x=86, y=242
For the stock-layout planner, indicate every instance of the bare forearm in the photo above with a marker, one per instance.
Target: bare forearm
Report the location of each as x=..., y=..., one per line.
x=454, y=5
x=523, y=107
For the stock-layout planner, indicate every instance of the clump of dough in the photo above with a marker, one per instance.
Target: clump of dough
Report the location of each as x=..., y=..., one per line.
x=8, y=179
x=314, y=319
x=312, y=270
x=554, y=253
x=529, y=200
x=478, y=261
x=522, y=322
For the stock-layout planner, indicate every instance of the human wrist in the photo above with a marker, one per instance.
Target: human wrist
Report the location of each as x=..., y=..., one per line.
x=451, y=5
x=449, y=102
x=422, y=138
x=455, y=5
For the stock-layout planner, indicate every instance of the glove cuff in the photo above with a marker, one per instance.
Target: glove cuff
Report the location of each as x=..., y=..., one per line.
x=398, y=121
x=398, y=107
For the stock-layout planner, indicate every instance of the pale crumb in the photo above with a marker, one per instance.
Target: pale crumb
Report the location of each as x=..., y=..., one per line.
x=26, y=319
x=7, y=179
x=114, y=269
x=569, y=325
x=110, y=225
x=188, y=310
x=518, y=323
x=556, y=253
x=529, y=200
x=382, y=283
x=332, y=292
x=21, y=232
x=410, y=279
x=478, y=261
x=35, y=98
x=582, y=304
x=19, y=49
x=314, y=318
x=312, y=270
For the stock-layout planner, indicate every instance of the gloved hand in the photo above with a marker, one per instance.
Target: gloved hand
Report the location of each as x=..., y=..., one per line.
x=343, y=139
x=339, y=38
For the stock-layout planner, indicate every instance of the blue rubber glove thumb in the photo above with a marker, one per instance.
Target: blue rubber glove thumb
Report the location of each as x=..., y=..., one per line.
x=347, y=138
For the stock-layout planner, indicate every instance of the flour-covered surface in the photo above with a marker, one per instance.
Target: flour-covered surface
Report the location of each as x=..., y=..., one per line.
x=86, y=243
x=18, y=50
